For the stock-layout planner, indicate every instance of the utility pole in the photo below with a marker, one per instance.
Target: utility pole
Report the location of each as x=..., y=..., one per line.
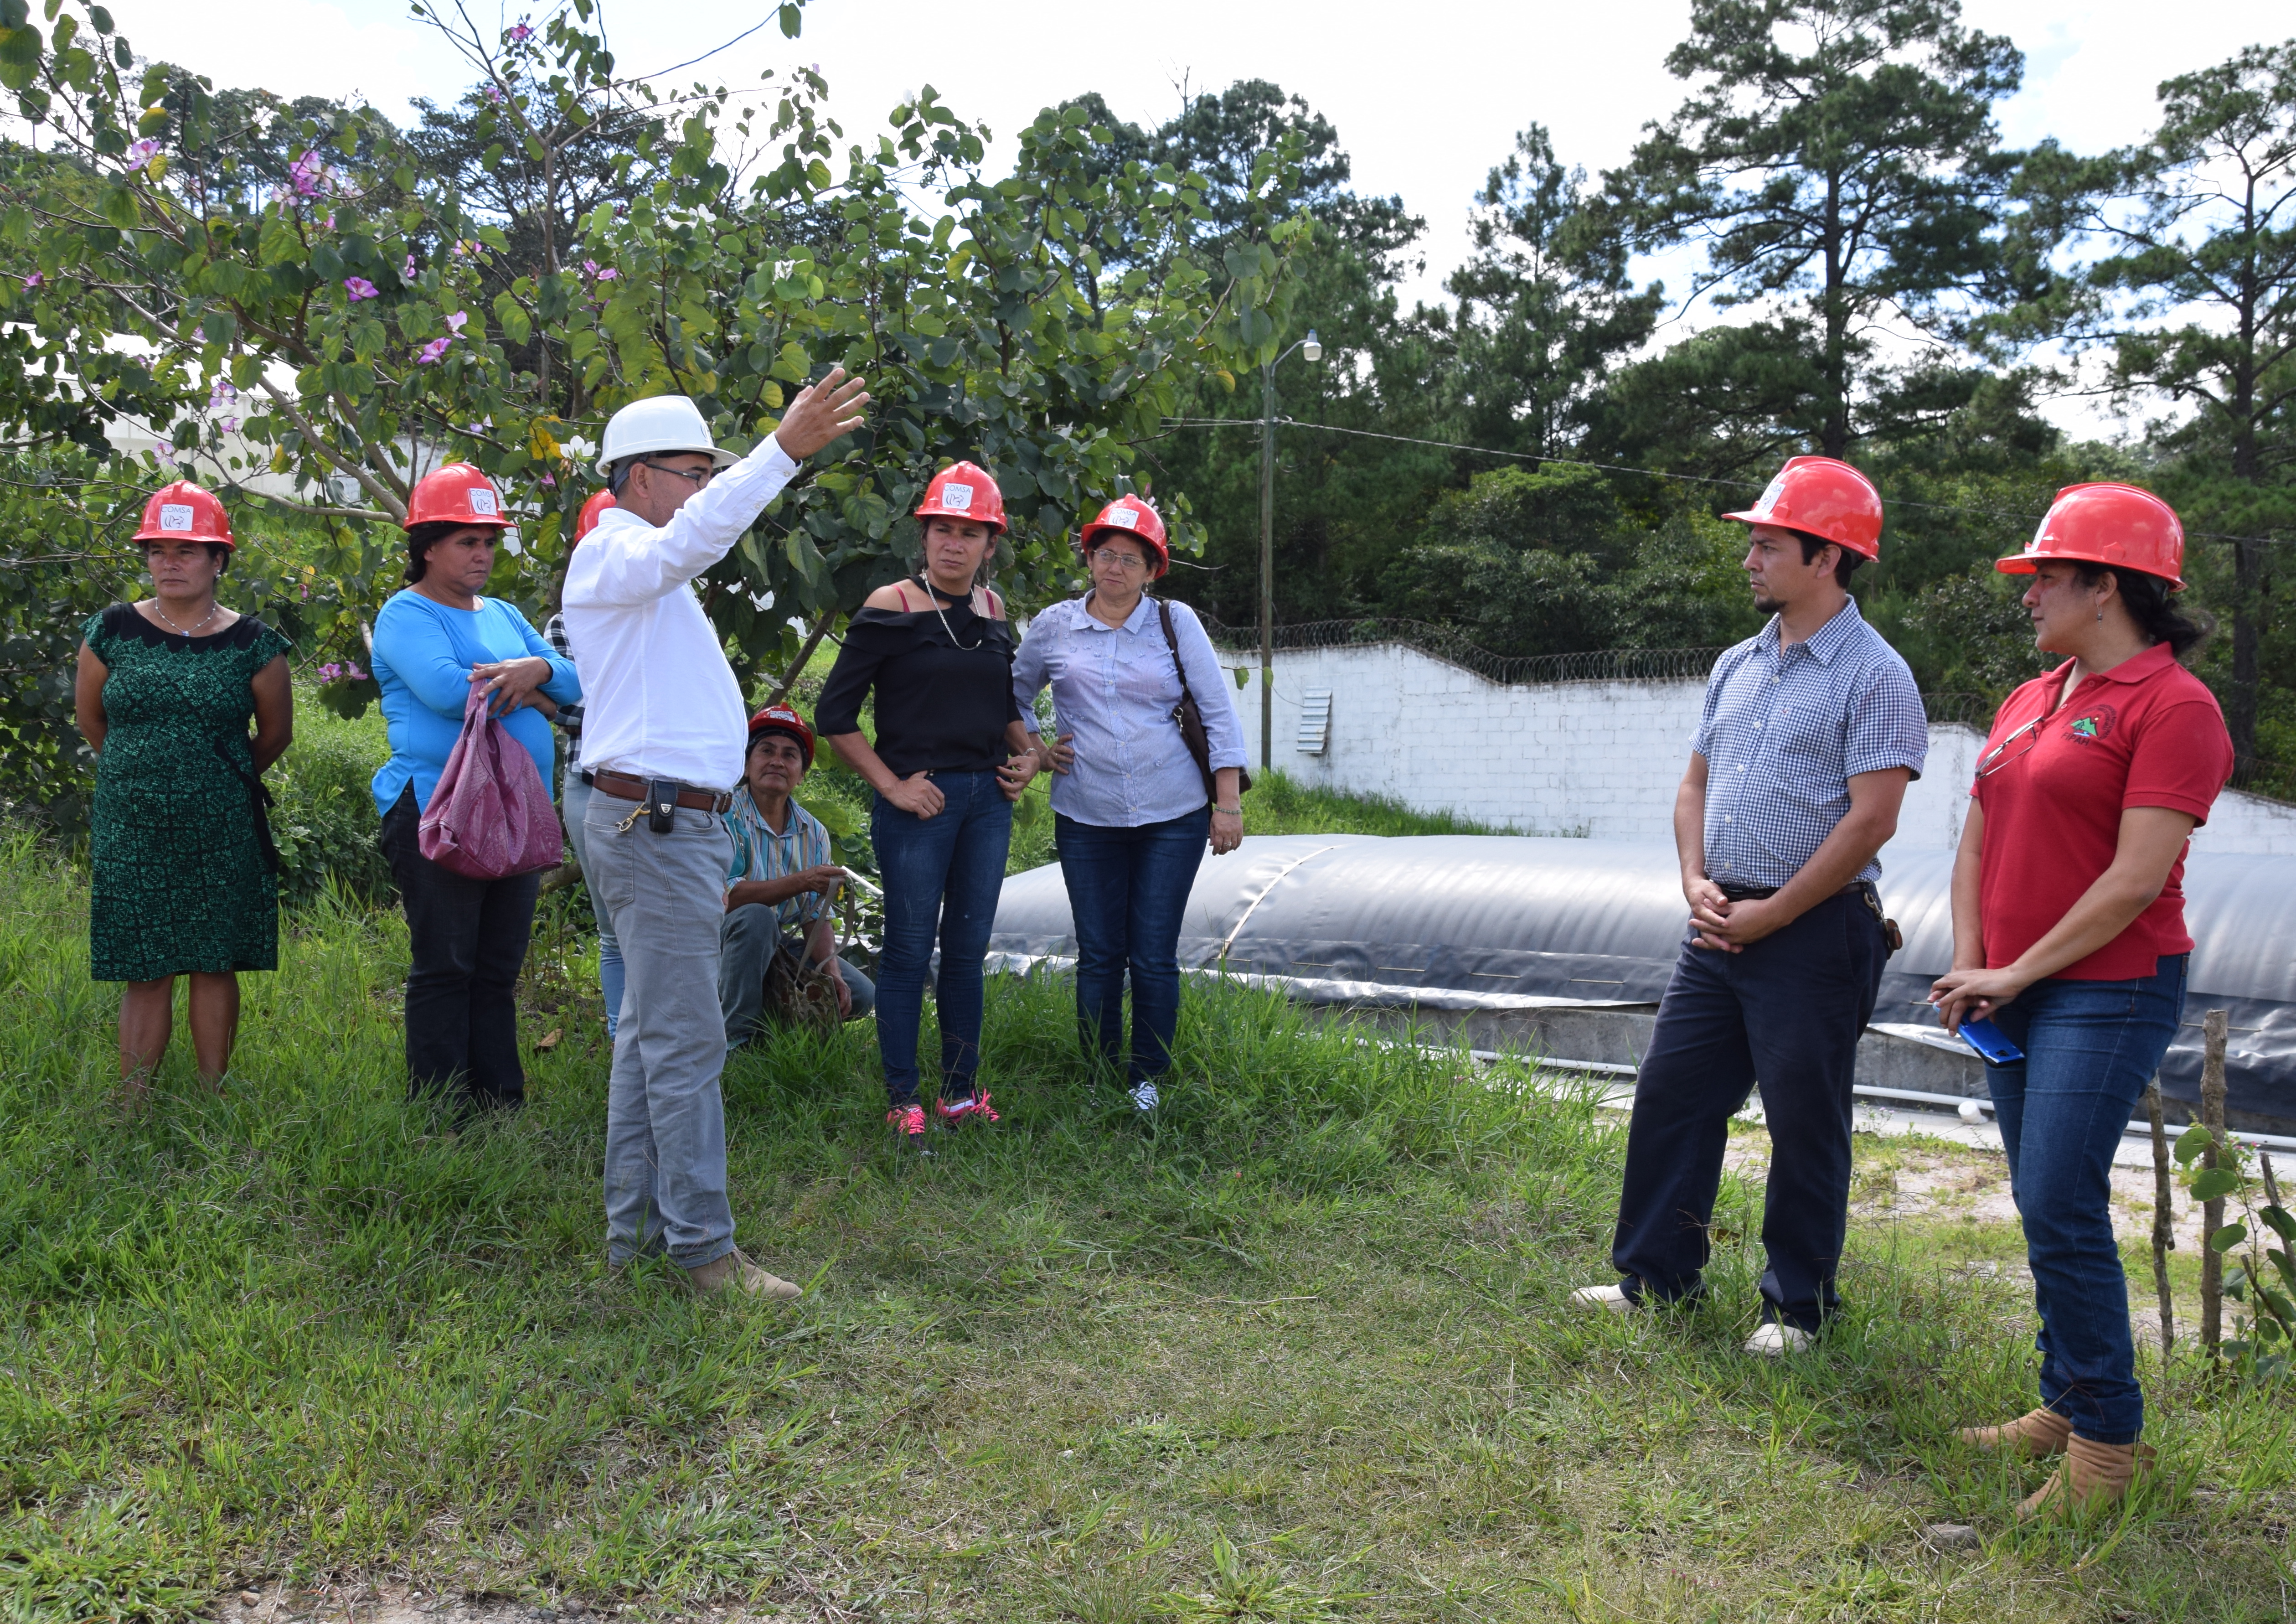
x=1266, y=565
x=1312, y=348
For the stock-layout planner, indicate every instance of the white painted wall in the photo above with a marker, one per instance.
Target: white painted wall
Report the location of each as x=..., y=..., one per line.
x=1600, y=760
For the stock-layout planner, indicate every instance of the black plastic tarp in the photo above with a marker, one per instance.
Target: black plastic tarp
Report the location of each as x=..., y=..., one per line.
x=1499, y=921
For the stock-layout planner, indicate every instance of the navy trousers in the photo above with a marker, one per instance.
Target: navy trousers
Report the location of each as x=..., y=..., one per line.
x=1785, y=1013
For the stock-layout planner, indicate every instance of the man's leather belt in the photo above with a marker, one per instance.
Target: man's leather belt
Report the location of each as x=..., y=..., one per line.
x=1763, y=893
x=621, y=786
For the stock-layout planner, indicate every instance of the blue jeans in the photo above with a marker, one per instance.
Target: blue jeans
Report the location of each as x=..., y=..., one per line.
x=1789, y=1010
x=942, y=876
x=572, y=804
x=1128, y=888
x=2090, y=1048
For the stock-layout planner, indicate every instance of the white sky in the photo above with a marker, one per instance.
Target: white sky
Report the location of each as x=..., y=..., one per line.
x=1425, y=100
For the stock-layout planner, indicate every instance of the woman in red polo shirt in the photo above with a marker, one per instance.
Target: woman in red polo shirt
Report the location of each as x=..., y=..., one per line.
x=2069, y=933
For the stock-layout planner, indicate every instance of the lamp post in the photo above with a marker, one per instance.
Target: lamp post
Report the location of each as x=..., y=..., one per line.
x=1312, y=348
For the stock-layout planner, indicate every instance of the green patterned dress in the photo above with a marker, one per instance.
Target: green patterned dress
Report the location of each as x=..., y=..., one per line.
x=181, y=883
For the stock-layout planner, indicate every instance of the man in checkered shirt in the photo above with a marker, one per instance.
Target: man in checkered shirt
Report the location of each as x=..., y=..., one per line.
x=1811, y=731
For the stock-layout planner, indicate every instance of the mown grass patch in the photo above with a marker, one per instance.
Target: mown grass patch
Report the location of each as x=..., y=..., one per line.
x=1301, y=1352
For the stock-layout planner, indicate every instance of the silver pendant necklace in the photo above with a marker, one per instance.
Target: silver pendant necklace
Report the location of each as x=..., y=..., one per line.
x=214, y=609
x=932, y=595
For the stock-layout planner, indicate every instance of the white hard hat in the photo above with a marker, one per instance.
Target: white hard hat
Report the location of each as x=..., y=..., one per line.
x=661, y=422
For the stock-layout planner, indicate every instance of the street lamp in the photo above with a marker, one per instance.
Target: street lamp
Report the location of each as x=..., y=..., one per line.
x=1312, y=348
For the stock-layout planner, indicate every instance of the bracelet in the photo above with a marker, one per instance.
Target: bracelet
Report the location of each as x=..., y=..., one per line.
x=1229, y=811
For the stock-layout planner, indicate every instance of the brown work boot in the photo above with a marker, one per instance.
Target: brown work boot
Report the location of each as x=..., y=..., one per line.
x=733, y=1269
x=2036, y=1432
x=2093, y=1476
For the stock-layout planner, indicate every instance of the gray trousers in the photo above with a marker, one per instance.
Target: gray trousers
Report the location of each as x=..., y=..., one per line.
x=747, y=941
x=665, y=1117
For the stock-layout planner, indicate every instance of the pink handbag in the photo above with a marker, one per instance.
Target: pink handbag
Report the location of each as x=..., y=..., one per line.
x=490, y=818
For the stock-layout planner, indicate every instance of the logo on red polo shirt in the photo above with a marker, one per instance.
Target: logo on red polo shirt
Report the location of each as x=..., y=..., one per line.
x=2093, y=723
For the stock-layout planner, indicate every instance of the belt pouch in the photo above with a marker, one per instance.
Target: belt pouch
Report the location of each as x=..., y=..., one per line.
x=662, y=804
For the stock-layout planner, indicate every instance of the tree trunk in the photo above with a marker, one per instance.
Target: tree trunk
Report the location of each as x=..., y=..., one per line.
x=2164, y=1228
x=2248, y=598
x=1835, y=439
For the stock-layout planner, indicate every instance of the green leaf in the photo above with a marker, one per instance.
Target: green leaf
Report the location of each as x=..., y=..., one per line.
x=2209, y=1184
x=2228, y=1237
x=791, y=20
x=2192, y=1142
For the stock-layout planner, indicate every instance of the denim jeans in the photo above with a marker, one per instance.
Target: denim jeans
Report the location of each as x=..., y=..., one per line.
x=572, y=804
x=746, y=944
x=942, y=876
x=1789, y=1011
x=467, y=942
x=665, y=1181
x=1128, y=887
x=2090, y=1048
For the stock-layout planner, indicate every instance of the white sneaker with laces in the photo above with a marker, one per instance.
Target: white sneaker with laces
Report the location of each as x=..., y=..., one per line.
x=1603, y=1299
x=1144, y=1096
x=1773, y=1340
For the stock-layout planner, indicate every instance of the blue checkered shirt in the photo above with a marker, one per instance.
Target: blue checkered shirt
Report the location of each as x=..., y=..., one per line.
x=1783, y=732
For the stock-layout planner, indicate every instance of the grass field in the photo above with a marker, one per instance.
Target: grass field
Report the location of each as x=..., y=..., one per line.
x=1298, y=1354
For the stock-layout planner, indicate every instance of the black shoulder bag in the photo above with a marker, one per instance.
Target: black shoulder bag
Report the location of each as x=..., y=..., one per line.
x=1191, y=716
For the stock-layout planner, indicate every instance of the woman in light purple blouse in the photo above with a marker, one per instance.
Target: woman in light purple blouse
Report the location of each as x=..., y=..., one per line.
x=1131, y=811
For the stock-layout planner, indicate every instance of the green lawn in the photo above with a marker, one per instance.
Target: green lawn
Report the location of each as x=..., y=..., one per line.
x=1300, y=1354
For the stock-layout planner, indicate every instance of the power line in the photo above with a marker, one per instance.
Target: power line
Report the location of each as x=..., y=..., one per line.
x=1652, y=473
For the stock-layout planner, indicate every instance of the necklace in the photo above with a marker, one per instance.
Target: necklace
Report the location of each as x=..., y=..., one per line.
x=214, y=609
x=933, y=594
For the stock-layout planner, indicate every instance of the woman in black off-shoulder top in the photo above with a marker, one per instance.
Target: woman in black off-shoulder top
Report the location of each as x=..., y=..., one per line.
x=950, y=759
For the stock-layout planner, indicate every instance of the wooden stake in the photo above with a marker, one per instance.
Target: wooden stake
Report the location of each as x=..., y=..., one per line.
x=2164, y=1229
x=2213, y=1030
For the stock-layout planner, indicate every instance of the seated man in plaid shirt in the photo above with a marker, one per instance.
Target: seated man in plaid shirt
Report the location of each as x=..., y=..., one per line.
x=778, y=889
x=1811, y=731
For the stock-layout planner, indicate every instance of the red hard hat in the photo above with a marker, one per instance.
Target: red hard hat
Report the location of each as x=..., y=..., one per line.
x=184, y=512
x=456, y=494
x=781, y=718
x=964, y=490
x=1823, y=497
x=2124, y=526
x=586, y=521
x=1132, y=516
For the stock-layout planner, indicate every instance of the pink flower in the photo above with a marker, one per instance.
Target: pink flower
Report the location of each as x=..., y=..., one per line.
x=221, y=395
x=351, y=670
x=520, y=34
x=140, y=154
x=434, y=350
x=307, y=173
x=550, y=481
x=328, y=223
x=608, y=274
x=307, y=592
x=406, y=271
x=494, y=93
x=361, y=288
x=330, y=670
x=455, y=322
x=34, y=279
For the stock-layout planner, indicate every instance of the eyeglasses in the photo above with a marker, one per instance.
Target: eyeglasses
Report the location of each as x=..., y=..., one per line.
x=1116, y=560
x=699, y=476
x=2011, y=749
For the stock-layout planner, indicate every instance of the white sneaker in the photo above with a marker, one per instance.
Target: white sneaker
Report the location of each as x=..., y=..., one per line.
x=1773, y=1340
x=1603, y=1299
x=1144, y=1096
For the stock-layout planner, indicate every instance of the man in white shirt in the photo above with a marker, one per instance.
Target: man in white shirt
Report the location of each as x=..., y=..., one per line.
x=661, y=749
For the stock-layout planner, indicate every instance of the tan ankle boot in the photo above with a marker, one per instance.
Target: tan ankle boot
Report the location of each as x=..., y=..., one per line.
x=2036, y=1432
x=736, y=1272
x=2094, y=1475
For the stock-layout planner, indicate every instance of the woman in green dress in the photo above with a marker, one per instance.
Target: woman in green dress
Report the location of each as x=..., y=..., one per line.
x=185, y=880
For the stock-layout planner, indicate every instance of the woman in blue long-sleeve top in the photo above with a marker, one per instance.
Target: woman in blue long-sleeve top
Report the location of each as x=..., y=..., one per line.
x=1132, y=810
x=467, y=937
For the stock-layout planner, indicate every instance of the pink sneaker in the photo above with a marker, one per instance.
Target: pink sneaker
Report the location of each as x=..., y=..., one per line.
x=908, y=1122
x=975, y=1107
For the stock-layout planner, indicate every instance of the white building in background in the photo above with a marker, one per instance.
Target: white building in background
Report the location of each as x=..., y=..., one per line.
x=1596, y=759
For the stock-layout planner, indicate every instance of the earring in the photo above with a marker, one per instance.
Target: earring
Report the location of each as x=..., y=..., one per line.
x=2100, y=617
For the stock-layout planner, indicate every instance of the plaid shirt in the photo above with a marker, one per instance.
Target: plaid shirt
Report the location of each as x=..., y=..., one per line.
x=1783, y=732
x=760, y=854
x=569, y=717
